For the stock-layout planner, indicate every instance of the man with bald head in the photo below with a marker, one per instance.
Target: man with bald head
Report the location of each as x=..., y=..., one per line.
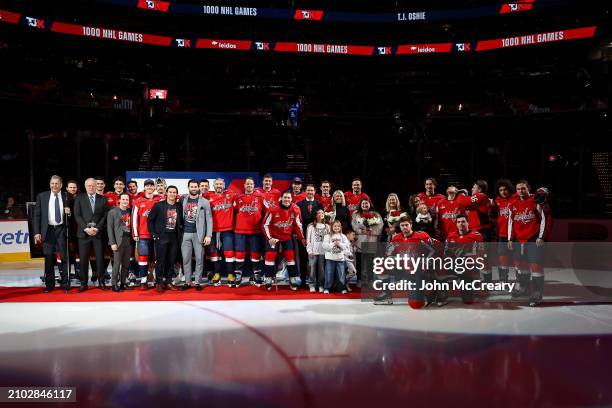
x=90, y=215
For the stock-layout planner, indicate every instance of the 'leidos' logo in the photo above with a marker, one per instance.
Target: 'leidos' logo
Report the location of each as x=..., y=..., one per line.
x=183, y=43
x=35, y=22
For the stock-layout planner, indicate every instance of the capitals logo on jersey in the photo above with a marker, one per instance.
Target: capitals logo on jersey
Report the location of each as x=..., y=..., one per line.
x=250, y=209
x=35, y=22
x=525, y=216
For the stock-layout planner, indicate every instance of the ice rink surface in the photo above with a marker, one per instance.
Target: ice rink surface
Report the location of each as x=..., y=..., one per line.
x=314, y=353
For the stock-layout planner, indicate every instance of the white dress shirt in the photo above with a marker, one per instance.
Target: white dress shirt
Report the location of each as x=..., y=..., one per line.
x=52, y=208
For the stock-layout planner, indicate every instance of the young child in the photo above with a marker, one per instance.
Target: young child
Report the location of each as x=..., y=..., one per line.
x=335, y=245
x=424, y=221
x=316, y=231
x=351, y=270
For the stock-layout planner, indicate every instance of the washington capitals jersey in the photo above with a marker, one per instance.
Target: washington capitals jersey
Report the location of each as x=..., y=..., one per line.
x=270, y=198
x=431, y=201
x=326, y=202
x=353, y=200
x=222, y=206
x=140, y=216
x=503, y=210
x=448, y=210
x=249, y=210
x=477, y=207
x=526, y=220
x=281, y=223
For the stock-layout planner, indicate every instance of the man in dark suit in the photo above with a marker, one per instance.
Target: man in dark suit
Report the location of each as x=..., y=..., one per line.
x=165, y=224
x=308, y=207
x=90, y=214
x=49, y=227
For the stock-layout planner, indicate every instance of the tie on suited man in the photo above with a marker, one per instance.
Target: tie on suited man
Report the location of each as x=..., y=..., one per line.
x=51, y=229
x=90, y=215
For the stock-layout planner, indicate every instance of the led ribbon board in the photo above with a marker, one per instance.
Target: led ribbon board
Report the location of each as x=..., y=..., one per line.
x=114, y=34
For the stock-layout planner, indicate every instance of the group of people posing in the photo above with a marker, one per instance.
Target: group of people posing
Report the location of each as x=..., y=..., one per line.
x=317, y=237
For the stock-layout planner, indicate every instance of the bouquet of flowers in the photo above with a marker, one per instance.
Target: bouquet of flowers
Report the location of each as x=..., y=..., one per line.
x=394, y=217
x=369, y=219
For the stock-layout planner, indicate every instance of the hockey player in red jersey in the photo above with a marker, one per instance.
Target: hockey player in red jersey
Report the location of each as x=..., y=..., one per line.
x=413, y=244
x=429, y=197
x=249, y=208
x=132, y=189
x=112, y=197
x=448, y=210
x=278, y=226
x=353, y=198
x=478, y=209
x=505, y=197
x=222, y=206
x=463, y=243
x=270, y=194
x=528, y=225
x=325, y=197
x=141, y=208
x=296, y=190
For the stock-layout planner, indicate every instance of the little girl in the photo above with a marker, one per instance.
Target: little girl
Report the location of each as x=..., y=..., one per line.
x=424, y=221
x=316, y=231
x=335, y=245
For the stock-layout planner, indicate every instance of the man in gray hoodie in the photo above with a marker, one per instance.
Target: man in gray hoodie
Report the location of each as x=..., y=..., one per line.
x=197, y=232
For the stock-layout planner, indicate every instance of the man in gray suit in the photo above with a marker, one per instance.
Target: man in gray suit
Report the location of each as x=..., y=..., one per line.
x=119, y=228
x=90, y=215
x=197, y=232
x=50, y=227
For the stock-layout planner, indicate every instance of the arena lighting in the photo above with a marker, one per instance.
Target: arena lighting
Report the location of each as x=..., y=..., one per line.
x=460, y=107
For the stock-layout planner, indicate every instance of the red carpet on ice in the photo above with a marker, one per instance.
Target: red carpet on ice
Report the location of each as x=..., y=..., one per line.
x=35, y=294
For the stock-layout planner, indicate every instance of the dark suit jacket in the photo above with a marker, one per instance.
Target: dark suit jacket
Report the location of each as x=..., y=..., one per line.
x=83, y=214
x=157, y=219
x=40, y=224
x=308, y=216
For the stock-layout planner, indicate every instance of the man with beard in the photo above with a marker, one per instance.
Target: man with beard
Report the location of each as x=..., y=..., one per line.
x=197, y=232
x=355, y=196
x=222, y=206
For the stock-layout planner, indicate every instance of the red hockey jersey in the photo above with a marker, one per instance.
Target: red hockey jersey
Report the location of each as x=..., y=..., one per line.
x=249, y=210
x=270, y=198
x=326, y=202
x=281, y=223
x=222, y=206
x=140, y=216
x=430, y=201
x=502, y=208
x=448, y=210
x=526, y=220
x=417, y=244
x=477, y=207
x=299, y=197
x=353, y=200
x=470, y=244
x=112, y=199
